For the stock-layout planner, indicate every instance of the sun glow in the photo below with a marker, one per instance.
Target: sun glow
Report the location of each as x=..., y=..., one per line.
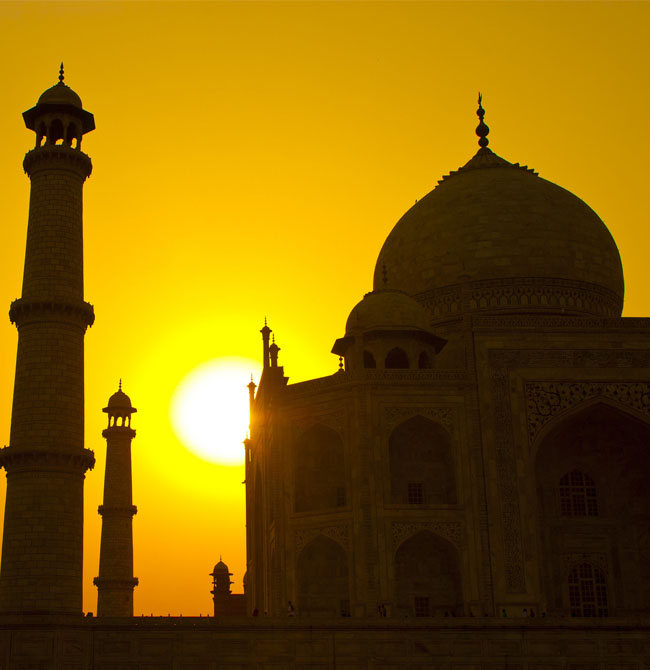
x=209, y=409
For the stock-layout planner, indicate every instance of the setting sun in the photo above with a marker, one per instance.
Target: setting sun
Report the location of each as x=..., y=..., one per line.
x=209, y=409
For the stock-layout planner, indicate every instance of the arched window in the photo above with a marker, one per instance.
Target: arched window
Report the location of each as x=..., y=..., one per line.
x=56, y=131
x=578, y=495
x=427, y=577
x=421, y=464
x=368, y=360
x=322, y=579
x=319, y=477
x=587, y=591
x=424, y=362
x=397, y=358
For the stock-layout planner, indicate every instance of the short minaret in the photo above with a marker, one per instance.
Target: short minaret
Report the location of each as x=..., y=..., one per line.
x=116, y=582
x=226, y=603
x=46, y=461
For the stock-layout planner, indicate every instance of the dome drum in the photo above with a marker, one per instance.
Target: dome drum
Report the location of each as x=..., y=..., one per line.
x=523, y=295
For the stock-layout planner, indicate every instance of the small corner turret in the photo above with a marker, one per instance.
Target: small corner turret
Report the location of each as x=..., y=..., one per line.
x=226, y=603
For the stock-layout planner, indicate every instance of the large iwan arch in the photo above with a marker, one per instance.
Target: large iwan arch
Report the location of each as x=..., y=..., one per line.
x=592, y=471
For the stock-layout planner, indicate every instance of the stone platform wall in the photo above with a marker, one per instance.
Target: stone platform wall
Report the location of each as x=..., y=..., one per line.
x=41, y=643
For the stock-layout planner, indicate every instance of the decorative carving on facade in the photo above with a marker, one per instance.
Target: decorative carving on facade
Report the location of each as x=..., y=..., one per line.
x=526, y=292
x=581, y=323
x=501, y=361
x=446, y=416
x=449, y=530
x=338, y=533
x=333, y=420
x=544, y=400
x=507, y=483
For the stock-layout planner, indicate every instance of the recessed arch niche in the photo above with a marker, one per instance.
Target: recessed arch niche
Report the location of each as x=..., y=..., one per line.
x=322, y=579
x=319, y=473
x=427, y=577
x=592, y=470
x=421, y=464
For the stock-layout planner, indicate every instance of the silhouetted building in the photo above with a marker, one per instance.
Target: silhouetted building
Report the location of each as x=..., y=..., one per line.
x=116, y=582
x=46, y=460
x=483, y=450
x=485, y=445
x=225, y=602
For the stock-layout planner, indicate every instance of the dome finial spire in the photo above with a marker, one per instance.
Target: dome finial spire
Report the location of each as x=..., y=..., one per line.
x=482, y=129
x=61, y=75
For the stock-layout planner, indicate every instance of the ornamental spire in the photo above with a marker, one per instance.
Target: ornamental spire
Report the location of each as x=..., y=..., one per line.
x=61, y=75
x=482, y=129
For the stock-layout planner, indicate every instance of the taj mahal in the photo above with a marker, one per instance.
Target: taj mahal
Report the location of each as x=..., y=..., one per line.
x=469, y=491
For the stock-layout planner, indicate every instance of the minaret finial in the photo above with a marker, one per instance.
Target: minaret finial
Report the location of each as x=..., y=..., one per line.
x=119, y=388
x=482, y=129
x=61, y=75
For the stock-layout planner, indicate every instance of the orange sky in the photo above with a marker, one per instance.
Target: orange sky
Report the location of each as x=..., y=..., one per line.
x=249, y=160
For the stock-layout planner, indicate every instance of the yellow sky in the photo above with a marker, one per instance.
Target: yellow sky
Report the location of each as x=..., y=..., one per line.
x=249, y=160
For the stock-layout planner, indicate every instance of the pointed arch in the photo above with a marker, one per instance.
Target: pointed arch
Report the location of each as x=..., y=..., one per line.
x=593, y=406
x=427, y=577
x=397, y=358
x=368, y=359
x=319, y=472
x=591, y=470
x=421, y=464
x=322, y=579
x=55, y=131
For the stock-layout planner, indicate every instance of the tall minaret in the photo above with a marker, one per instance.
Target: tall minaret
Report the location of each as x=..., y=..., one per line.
x=116, y=582
x=42, y=547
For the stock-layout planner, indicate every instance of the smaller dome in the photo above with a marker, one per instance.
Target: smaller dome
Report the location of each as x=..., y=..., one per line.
x=119, y=400
x=220, y=567
x=387, y=309
x=60, y=94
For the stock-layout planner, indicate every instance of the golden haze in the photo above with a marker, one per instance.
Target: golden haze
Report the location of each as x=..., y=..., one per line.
x=250, y=159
